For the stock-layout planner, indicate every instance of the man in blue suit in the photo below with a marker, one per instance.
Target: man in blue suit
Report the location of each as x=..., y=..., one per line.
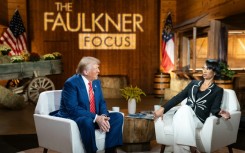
x=87, y=107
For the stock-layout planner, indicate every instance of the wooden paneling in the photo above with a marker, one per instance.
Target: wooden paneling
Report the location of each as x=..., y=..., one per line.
x=138, y=64
x=232, y=14
x=214, y=9
x=7, y=10
x=3, y=13
x=167, y=6
x=236, y=50
x=21, y=6
x=214, y=39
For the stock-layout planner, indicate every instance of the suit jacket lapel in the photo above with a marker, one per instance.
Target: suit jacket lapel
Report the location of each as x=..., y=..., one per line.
x=205, y=93
x=195, y=89
x=83, y=91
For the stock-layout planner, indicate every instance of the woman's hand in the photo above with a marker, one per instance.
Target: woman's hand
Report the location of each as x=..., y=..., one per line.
x=225, y=114
x=103, y=123
x=158, y=113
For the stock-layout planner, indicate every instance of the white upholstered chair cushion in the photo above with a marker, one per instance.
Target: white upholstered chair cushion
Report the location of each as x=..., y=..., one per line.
x=214, y=134
x=59, y=134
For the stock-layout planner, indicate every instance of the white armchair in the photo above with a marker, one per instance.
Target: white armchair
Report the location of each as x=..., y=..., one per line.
x=59, y=134
x=215, y=133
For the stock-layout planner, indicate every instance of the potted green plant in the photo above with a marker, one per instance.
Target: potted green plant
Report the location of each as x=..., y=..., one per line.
x=226, y=73
x=225, y=80
x=132, y=95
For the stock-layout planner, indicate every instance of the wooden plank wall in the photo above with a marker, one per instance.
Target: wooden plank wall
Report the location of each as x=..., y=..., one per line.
x=135, y=68
x=236, y=50
x=167, y=6
x=215, y=9
x=133, y=64
x=139, y=65
x=21, y=6
x=3, y=13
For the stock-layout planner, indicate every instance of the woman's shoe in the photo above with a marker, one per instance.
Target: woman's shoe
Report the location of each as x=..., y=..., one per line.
x=194, y=150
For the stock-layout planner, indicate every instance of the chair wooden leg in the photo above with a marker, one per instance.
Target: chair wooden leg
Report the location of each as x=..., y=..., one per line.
x=230, y=149
x=45, y=150
x=162, y=149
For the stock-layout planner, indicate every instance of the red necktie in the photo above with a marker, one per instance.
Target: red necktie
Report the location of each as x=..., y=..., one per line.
x=91, y=98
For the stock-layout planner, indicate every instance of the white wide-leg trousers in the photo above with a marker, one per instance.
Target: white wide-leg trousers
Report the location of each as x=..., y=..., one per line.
x=185, y=123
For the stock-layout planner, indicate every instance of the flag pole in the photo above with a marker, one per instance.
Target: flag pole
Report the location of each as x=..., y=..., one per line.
x=166, y=55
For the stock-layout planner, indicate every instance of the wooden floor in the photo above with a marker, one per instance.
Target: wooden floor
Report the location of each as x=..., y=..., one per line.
x=21, y=121
x=155, y=149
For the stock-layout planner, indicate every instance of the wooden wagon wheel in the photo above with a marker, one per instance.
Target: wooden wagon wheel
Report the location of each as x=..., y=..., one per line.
x=38, y=85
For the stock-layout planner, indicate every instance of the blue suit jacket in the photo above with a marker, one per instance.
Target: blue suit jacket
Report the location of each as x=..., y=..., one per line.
x=75, y=99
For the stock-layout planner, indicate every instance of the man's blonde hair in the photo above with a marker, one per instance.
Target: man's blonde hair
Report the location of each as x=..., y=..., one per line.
x=86, y=63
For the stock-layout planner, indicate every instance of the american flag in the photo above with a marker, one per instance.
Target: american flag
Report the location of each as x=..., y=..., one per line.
x=15, y=35
x=167, y=60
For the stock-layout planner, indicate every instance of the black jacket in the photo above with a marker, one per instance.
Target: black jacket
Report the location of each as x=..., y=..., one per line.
x=202, y=102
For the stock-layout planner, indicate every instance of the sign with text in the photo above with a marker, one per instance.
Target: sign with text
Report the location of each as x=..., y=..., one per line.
x=96, y=30
x=107, y=41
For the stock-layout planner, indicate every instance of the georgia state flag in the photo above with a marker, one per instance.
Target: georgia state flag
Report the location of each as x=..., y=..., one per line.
x=167, y=63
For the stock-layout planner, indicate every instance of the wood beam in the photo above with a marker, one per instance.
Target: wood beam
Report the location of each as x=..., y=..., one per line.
x=214, y=39
x=194, y=49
